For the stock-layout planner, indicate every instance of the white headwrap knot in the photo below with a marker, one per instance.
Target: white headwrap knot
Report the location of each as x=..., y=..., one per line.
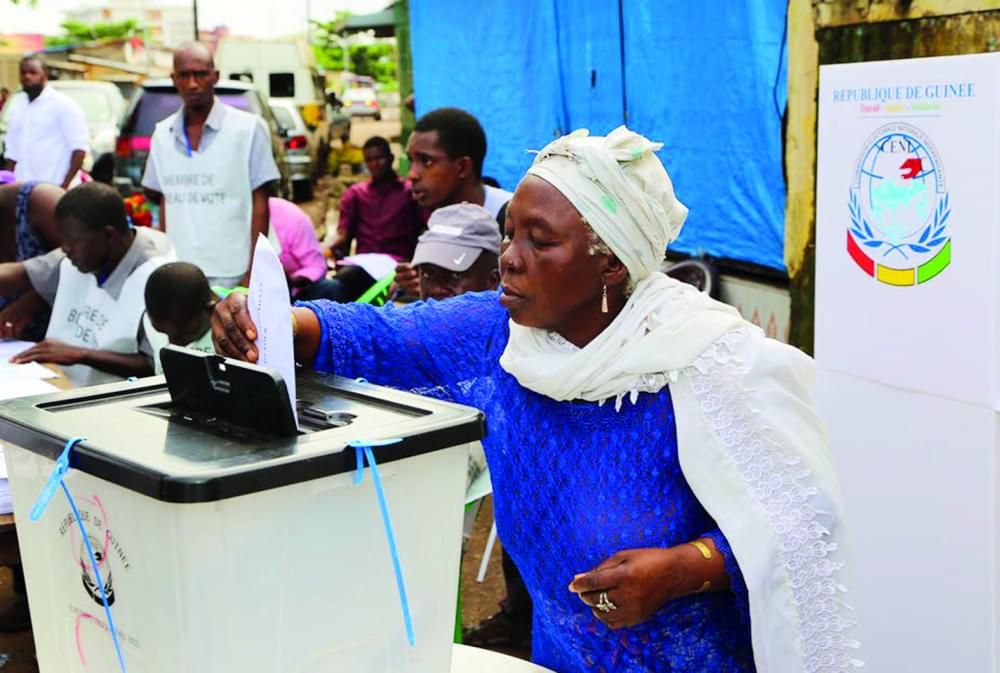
x=621, y=189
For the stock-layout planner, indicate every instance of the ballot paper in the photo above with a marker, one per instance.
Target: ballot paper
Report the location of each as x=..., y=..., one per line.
x=270, y=310
x=375, y=264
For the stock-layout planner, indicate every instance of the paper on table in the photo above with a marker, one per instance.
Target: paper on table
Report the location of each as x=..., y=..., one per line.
x=29, y=370
x=11, y=388
x=270, y=309
x=376, y=264
x=11, y=347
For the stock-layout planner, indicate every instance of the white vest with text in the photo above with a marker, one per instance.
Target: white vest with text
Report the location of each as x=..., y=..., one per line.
x=85, y=315
x=209, y=203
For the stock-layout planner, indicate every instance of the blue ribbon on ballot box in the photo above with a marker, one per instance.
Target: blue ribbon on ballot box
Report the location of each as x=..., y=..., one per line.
x=57, y=480
x=362, y=452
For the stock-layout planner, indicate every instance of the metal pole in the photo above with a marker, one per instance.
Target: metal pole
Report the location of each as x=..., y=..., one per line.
x=195, y=7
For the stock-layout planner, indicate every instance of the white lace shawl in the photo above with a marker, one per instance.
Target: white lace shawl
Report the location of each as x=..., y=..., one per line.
x=754, y=452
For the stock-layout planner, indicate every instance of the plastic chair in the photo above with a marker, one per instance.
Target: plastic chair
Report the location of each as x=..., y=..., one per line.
x=377, y=294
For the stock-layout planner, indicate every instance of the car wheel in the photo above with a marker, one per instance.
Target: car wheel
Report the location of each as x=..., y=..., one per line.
x=302, y=190
x=378, y=116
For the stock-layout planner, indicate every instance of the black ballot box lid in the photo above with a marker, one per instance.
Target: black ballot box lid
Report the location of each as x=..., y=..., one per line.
x=138, y=439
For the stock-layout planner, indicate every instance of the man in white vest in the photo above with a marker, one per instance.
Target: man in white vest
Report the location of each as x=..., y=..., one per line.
x=210, y=168
x=95, y=283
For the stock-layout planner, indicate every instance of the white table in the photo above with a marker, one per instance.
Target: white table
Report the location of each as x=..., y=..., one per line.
x=467, y=659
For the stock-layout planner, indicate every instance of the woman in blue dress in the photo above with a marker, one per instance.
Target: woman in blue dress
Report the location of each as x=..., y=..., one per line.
x=659, y=476
x=27, y=229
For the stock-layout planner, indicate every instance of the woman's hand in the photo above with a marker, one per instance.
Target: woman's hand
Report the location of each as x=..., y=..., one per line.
x=233, y=333
x=638, y=582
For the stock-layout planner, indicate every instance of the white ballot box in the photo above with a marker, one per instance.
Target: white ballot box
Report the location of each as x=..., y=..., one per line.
x=225, y=549
x=907, y=345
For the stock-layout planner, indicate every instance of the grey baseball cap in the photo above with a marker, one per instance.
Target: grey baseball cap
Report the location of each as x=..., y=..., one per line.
x=456, y=235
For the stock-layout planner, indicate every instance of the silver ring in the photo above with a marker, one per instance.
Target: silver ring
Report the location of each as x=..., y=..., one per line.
x=603, y=604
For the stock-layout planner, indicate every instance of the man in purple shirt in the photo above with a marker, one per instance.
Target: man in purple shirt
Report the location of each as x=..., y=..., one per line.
x=379, y=214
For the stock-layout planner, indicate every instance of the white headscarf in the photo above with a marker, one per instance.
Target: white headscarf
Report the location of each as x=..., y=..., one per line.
x=622, y=190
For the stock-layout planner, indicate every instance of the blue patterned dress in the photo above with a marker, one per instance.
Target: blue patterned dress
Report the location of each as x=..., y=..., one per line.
x=27, y=245
x=573, y=483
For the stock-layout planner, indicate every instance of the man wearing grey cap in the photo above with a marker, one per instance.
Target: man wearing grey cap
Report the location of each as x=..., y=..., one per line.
x=458, y=253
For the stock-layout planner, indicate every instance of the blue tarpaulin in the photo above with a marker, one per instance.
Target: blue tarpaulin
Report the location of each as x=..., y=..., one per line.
x=706, y=79
x=498, y=60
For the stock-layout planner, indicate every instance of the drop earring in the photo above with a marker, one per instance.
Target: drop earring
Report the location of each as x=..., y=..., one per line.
x=604, y=299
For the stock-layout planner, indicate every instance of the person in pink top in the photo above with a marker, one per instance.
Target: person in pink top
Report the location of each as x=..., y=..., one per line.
x=301, y=255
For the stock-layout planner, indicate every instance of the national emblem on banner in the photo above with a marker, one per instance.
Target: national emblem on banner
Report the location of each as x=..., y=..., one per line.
x=899, y=230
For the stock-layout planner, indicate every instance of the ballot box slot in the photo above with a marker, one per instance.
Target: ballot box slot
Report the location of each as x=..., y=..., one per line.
x=311, y=419
x=90, y=401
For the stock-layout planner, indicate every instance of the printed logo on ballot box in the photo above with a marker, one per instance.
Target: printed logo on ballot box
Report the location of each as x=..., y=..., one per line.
x=899, y=229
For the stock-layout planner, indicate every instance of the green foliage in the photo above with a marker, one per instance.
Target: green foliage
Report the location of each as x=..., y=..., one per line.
x=374, y=60
x=76, y=32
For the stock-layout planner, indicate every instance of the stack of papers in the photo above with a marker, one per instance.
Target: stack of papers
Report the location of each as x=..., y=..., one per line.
x=22, y=380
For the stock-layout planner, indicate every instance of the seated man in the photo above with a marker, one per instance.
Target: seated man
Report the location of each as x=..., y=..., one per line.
x=379, y=215
x=458, y=253
x=95, y=284
x=179, y=304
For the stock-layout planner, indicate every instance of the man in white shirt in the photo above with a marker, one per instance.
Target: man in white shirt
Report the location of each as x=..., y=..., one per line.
x=47, y=135
x=210, y=168
x=95, y=283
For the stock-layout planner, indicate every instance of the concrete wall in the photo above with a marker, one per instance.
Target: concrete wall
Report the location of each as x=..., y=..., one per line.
x=847, y=31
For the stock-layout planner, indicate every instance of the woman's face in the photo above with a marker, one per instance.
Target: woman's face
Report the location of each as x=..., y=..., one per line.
x=549, y=279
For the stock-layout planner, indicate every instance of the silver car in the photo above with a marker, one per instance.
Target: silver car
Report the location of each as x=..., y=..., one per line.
x=362, y=102
x=301, y=147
